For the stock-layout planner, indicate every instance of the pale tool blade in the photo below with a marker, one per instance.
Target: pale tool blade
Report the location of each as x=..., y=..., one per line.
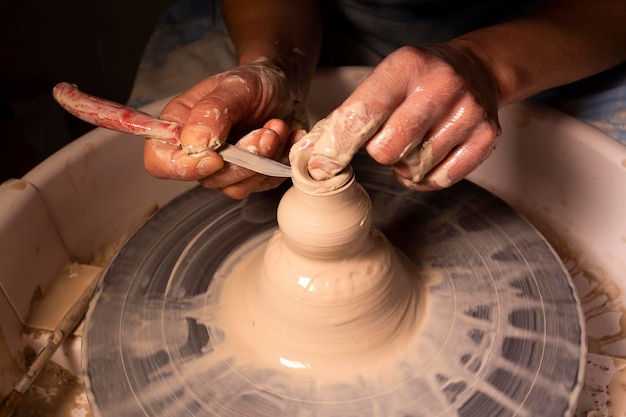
x=253, y=162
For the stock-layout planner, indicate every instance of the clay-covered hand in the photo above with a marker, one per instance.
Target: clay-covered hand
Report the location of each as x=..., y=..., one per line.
x=256, y=100
x=429, y=112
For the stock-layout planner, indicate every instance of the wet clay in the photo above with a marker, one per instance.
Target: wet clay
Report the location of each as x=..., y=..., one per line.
x=188, y=340
x=328, y=295
x=338, y=138
x=55, y=393
x=332, y=151
x=601, y=297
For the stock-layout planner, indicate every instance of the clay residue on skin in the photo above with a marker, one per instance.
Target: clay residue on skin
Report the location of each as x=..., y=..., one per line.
x=342, y=134
x=234, y=79
x=419, y=161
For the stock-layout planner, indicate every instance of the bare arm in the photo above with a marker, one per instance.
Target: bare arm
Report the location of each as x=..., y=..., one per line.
x=432, y=112
x=562, y=42
x=278, y=45
x=288, y=32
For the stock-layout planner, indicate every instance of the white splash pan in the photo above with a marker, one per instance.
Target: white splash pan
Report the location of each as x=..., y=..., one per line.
x=566, y=177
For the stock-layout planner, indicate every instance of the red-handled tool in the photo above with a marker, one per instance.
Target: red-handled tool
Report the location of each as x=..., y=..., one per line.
x=110, y=115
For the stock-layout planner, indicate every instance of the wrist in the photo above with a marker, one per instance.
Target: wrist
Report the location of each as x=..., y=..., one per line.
x=506, y=80
x=290, y=66
x=284, y=33
x=287, y=98
x=478, y=78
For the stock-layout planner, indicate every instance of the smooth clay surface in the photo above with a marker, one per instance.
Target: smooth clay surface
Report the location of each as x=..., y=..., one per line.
x=329, y=297
x=172, y=332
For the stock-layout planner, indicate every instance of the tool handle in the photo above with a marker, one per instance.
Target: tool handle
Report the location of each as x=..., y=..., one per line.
x=110, y=115
x=65, y=327
x=10, y=403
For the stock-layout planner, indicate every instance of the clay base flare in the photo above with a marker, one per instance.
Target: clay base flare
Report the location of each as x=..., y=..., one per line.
x=329, y=295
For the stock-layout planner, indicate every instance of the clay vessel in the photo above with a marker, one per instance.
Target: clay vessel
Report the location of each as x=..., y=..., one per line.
x=328, y=293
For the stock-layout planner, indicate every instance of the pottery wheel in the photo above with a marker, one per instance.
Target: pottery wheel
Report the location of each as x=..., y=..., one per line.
x=502, y=337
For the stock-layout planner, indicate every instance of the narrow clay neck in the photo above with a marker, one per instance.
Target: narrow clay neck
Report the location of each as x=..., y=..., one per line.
x=324, y=219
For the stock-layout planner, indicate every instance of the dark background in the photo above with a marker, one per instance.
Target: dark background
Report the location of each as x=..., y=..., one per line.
x=94, y=44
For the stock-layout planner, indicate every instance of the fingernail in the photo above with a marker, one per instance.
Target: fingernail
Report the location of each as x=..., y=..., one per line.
x=209, y=165
x=268, y=142
x=196, y=138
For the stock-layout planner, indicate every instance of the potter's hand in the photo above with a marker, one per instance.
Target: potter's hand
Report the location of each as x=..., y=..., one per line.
x=222, y=106
x=431, y=112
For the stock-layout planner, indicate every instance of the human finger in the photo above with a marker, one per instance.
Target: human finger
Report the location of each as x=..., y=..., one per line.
x=358, y=118
x=248, y=185
x=210, y=118
x=458, y=163
x=167, y=161
x=268, y=141
x=461, y=121
x=434, y=103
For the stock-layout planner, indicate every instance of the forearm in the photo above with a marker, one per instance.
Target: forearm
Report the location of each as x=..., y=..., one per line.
x=562, y=42
x=286, y=31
